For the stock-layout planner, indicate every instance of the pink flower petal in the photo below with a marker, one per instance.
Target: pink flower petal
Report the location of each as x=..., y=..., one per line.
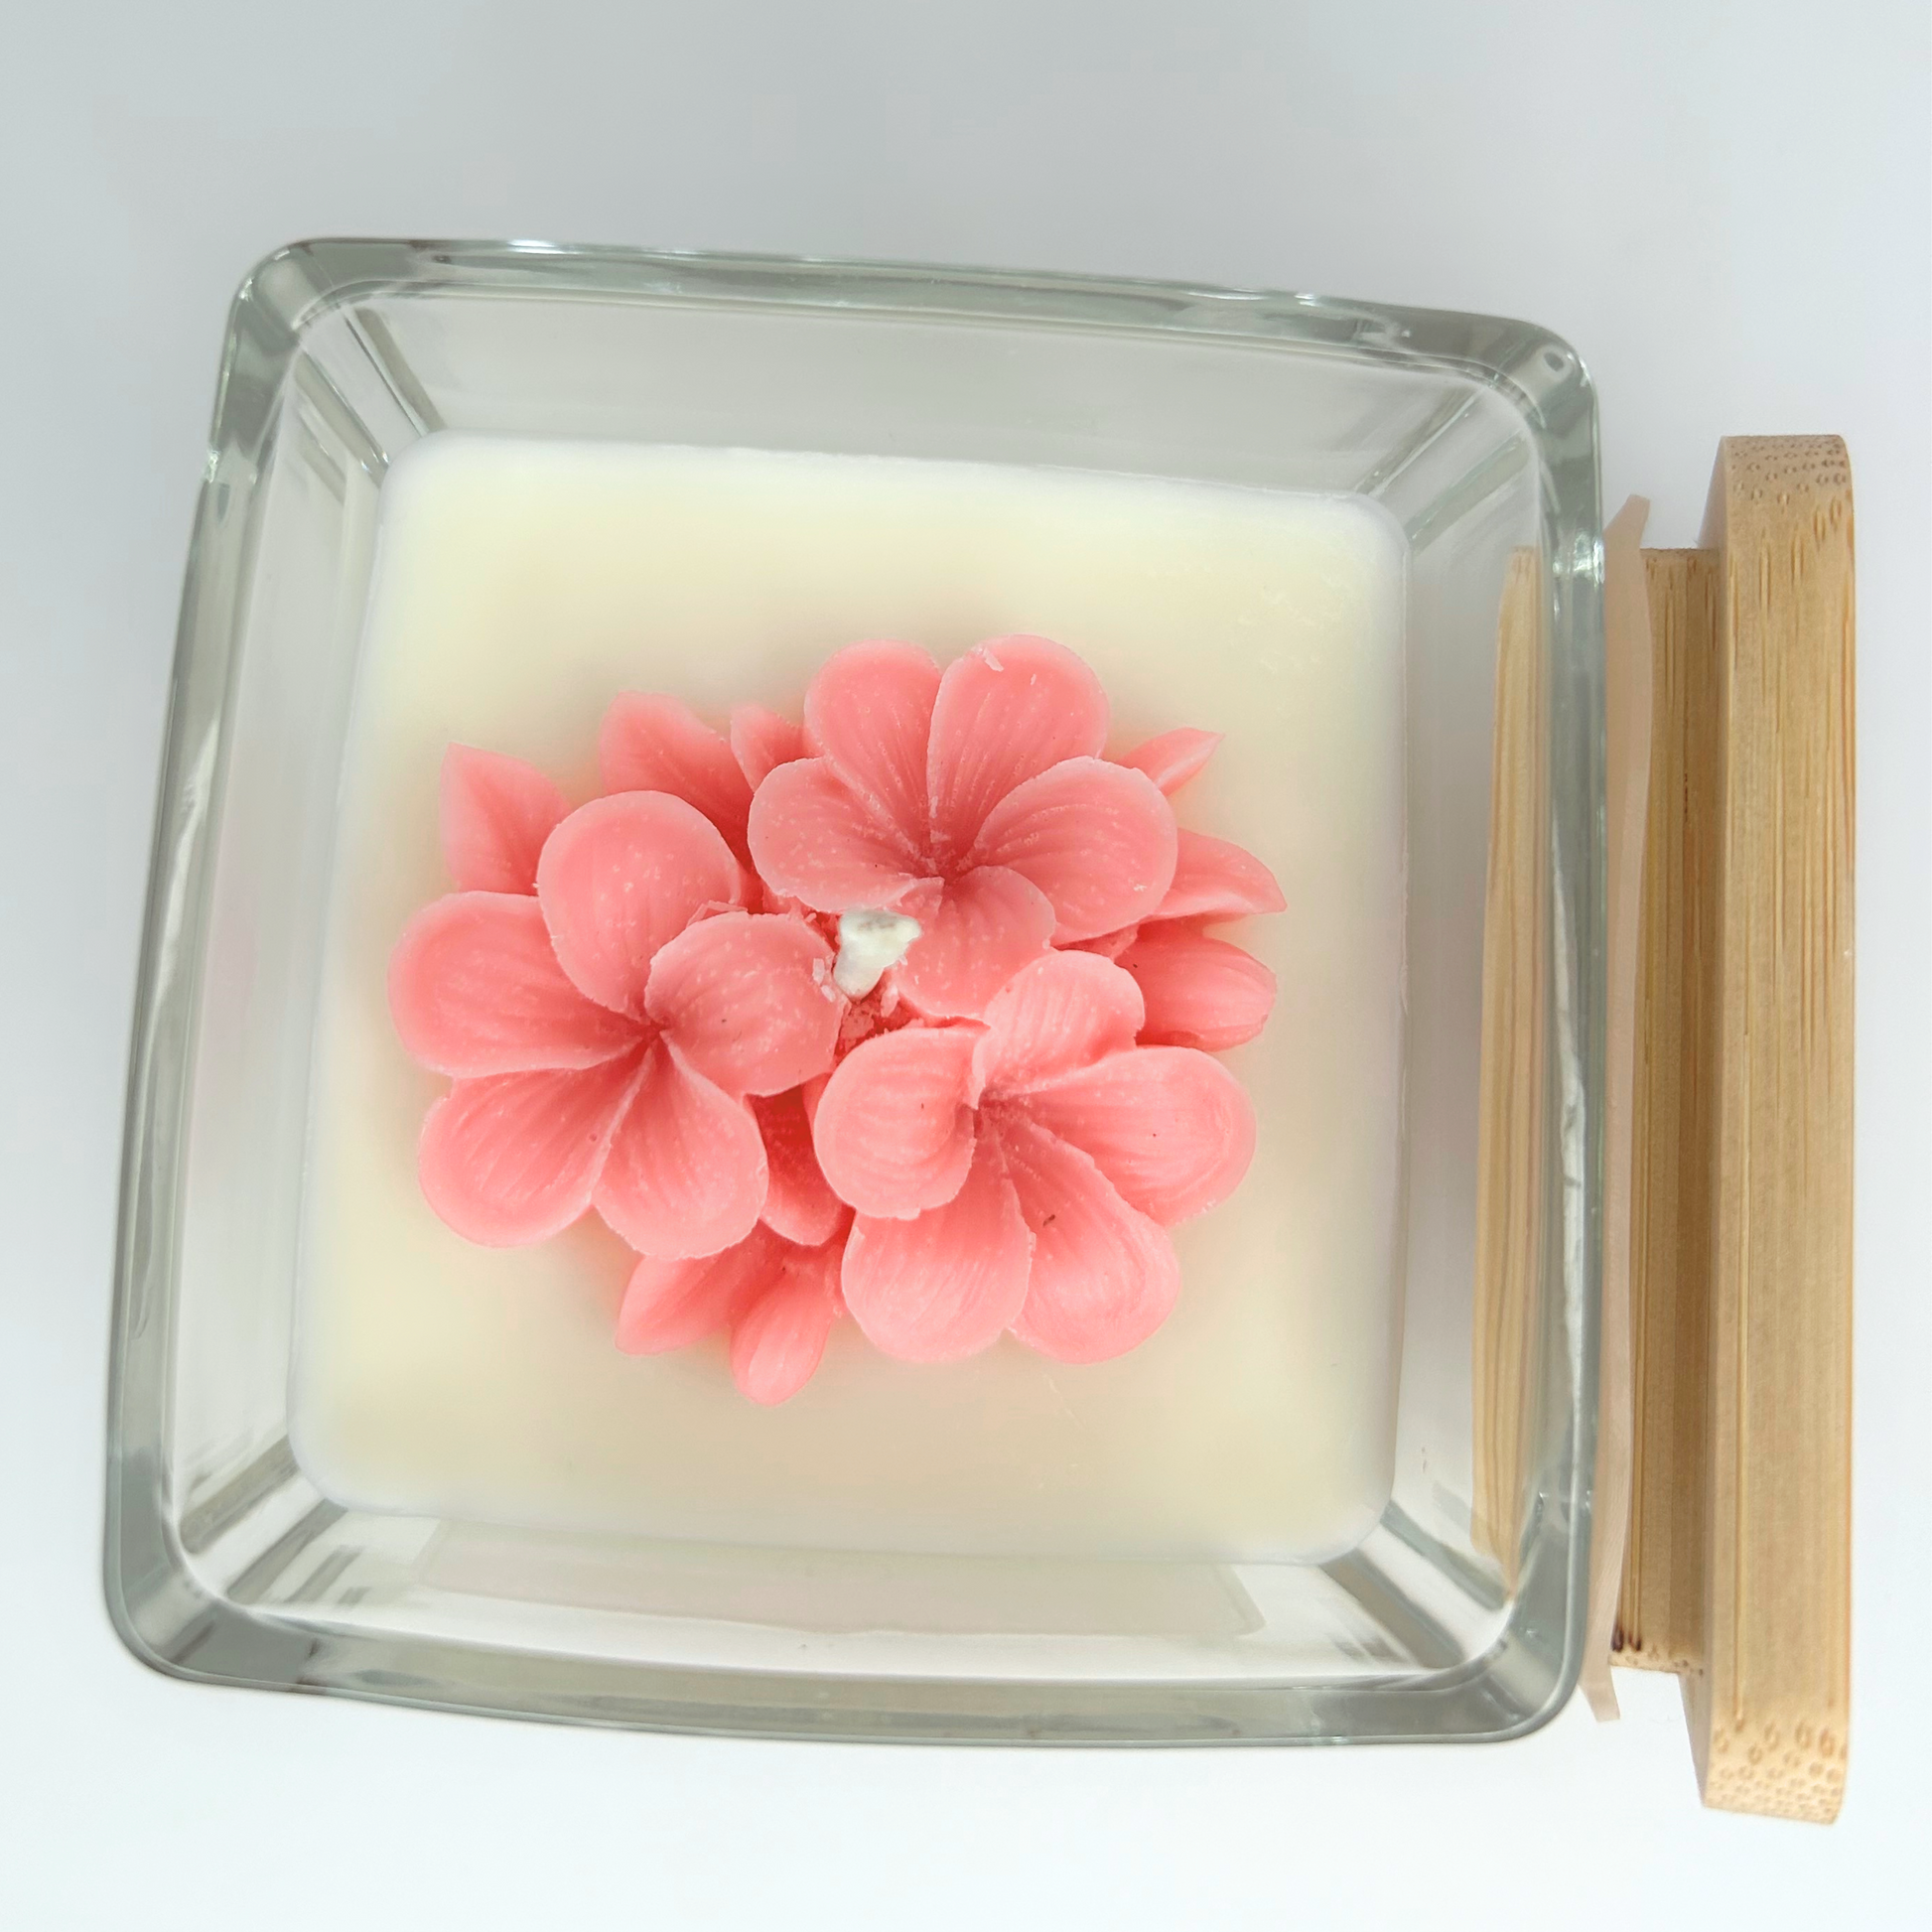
x=1096, y=838
x=761, y=740
x=1199, y=992
x=892, y=1129
x=1213, y=879
x=1009, y=710
x=869, y=714
x=748, y=999
x=685, y=1175
x=475, y=989
x=1104, y=1277
x=1170, y=1128
x=496, y=813
x=798, y=1203
x=653, y=743
x=978, y=931
x=1174, y=758
x=1108, y=945
x=621, y=877
x=1064, y=1011
x=672, y=1304
x=515, y=1158
x=815, y=839
x=779, y=1341
x=944, y=1284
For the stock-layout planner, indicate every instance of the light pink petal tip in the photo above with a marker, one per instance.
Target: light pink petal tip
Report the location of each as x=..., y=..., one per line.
x=748, y=998
x=978, y=930
x=813, y=838
x=1174, y=758
x=1096, y=838
x=685, y=1175
x=1199, y=992
x=653, y=743
x=1063, y=1012
x=475, y=989
x=798, y=1203
x=515, y=1158
x=761, y=740
x=497, y=813
x=894, y=1127
x=869, y=714
x=1215, y=880
x=623, y=876
x=1104, y=1276
x=779, y=1341
x=1009, y=710
x=948, y=1283
x=1169, y=1127
x=672, y=1304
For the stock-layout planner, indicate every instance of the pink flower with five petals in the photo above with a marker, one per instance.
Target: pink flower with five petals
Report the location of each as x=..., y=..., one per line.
x=1021, y=1172
x=975, y=802
x=605, y=1033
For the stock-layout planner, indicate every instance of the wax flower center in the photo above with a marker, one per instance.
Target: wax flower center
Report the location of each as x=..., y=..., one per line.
x=871, y=941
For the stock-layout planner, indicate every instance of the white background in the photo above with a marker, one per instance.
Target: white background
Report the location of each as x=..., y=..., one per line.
x=1723, y=207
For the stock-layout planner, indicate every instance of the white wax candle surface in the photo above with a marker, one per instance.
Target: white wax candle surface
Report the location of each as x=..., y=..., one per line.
x=519, y=587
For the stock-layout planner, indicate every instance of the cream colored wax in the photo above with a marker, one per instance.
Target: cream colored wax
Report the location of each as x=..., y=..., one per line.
x=519, y=586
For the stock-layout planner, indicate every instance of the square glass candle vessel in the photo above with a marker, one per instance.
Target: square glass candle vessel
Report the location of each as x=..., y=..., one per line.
x=469, y=492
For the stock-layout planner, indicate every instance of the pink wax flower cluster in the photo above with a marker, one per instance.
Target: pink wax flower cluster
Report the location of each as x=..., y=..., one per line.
x=669, y=1006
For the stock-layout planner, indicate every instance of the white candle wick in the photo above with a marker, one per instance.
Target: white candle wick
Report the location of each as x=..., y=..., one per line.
x=869, y=941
